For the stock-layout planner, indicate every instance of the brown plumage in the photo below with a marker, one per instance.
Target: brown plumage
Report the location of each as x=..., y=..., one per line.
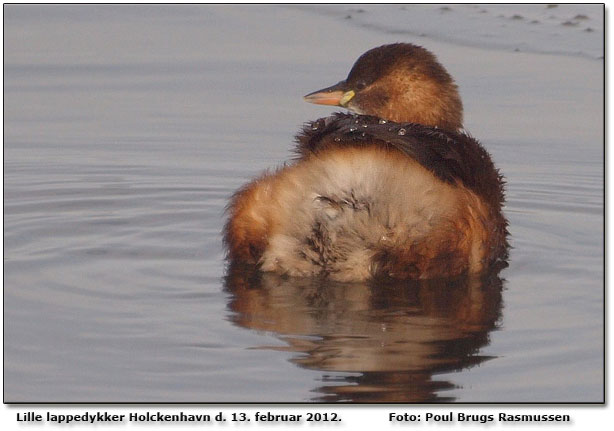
x=399, y=193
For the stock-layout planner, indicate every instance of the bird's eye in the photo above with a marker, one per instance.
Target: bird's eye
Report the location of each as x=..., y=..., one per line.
x=360, y=85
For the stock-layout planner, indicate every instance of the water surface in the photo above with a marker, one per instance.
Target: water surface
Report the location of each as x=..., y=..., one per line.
x=126, y=130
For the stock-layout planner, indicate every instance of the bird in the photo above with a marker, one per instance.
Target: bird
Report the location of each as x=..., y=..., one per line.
x=395, y=188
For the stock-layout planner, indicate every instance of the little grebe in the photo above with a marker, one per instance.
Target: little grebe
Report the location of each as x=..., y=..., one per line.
x=398, y=191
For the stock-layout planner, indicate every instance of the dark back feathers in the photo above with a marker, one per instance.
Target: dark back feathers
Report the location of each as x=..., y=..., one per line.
x=453, y=157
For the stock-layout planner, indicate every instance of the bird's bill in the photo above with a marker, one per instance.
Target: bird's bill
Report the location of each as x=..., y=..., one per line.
x=336, y=95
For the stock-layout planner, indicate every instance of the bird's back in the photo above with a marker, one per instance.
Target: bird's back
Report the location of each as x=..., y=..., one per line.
x=370, y=198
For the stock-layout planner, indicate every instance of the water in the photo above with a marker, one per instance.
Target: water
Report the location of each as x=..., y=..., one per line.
x=126, y=130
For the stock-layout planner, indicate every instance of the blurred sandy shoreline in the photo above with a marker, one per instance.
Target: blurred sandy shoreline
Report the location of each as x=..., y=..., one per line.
x=568, y=29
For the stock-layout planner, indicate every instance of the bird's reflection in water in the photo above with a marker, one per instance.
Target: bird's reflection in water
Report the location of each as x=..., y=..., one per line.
x=391, y=338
